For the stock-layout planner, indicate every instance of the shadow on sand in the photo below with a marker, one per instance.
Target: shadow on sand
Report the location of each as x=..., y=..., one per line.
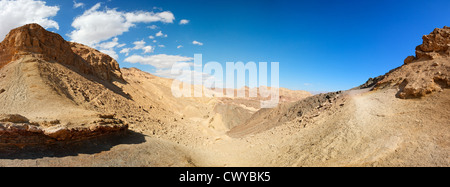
x=63, y=149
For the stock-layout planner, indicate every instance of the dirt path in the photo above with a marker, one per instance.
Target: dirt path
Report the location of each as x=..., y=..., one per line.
x=371, y=129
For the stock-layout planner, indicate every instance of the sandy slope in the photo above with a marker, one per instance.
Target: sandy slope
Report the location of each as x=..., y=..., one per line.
x=378, y=130
x=370, y=129
x=359, y=128
x=27, y=93
x=168, y=128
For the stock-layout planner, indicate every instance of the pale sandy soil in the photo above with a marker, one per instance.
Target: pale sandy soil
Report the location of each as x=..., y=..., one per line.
x=370, y=129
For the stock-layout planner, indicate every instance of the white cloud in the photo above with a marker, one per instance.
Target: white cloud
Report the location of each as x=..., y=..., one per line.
x=93, y=8
x=166, y=17
x=148, y=17
x=151, y=37
x=197, y=43
x=108, y=47
x=77, y=5
x=180, y=46
x=161, y=46
x=139, y=44
x=110, y=52
x=184, y=22
x=157, y=8
x=160, y=34
x=152, y=27
x=187, y=75
x=161, y=61
x=164, y=64
x=95, y=26
x=20, y=12
x=148, y=49
x=126, y=51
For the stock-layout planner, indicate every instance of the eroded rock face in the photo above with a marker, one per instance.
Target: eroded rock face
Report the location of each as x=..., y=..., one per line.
x=51, y=47
x=425, y=73
x=435, y=44
x=409, y=59
x=103, y=65
x=16, y=130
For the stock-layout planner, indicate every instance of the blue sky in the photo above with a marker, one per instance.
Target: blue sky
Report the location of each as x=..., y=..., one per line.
x=321, y=45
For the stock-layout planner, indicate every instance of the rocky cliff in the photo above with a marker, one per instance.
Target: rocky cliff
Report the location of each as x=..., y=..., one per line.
x=51, y=47
x=425, y=73
x=435, y=45
x=54, y=91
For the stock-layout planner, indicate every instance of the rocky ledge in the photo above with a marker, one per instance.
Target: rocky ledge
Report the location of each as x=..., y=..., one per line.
x=427, y=72
x=16, y=130
x=34, y=39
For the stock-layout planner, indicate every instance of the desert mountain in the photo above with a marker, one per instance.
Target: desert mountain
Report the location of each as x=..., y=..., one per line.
x=53, y=92
x=50, y=82
x=34, y=40
x=61, y=90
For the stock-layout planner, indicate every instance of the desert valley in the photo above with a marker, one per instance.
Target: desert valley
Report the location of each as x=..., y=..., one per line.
x=66, y=104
